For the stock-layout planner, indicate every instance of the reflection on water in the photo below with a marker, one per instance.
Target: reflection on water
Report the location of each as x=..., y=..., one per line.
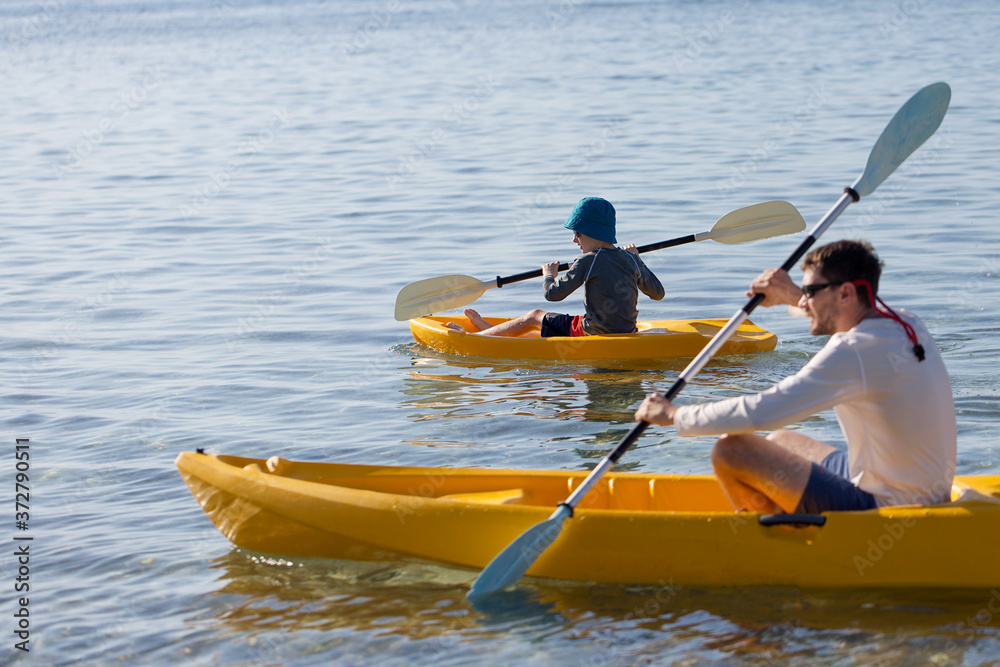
x=428, y=138
x=583, y=409
x=263, y=596
x=609, y=392
x=590, y=394
x=580, y=408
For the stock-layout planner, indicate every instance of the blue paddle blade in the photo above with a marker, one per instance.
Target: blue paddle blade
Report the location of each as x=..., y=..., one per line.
x=912, y=125
x=510, y=564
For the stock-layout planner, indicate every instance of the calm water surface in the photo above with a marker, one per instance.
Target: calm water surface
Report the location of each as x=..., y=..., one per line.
x=209, y=207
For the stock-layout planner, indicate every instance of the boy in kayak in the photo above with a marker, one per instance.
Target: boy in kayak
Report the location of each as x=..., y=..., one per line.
x=612, y=278
x=880, y=371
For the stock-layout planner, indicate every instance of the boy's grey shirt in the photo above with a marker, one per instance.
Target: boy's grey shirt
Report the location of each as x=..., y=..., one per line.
x=612, y=278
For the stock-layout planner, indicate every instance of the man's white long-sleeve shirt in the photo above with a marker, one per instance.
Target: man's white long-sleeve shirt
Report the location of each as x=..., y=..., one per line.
x=896, y=412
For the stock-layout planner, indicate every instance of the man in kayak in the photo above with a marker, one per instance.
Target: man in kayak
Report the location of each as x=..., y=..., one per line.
x=611, y=277
x=881, y=373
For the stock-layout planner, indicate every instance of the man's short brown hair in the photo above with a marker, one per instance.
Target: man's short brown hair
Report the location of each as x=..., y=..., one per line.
x=844, y=261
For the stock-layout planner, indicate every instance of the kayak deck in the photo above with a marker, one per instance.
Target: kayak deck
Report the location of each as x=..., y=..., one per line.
x=632, y=528
x=654, y=339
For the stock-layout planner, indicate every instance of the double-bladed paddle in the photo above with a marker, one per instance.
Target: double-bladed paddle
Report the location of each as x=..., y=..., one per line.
x=751, y=223
x=912, y=125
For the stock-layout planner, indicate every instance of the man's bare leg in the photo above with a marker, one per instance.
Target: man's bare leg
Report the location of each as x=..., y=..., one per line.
x=766, y=474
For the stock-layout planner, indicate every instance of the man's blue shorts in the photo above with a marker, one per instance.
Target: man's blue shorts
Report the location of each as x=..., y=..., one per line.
x=829, y=488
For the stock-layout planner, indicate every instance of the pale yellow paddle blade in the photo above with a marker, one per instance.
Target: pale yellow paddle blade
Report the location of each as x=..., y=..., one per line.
x=434, y=295
x=753, y=223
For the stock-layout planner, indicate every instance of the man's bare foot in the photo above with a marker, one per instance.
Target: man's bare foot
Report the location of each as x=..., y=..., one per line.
x=455, y=327
x=476, y=320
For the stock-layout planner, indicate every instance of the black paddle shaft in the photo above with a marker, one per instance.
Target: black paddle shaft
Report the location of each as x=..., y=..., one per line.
x=637, y=430
x=528, y=275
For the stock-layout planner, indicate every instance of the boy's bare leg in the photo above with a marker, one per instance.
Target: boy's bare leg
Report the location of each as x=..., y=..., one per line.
x=530, y=321
x=478, y=323
x=766, y=474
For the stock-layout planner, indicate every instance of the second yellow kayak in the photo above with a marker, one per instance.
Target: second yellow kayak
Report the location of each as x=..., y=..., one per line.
x=655, y=339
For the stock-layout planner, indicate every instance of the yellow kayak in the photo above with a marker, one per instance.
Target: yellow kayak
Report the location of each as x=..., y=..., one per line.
x=632, y=528
x=655, y=339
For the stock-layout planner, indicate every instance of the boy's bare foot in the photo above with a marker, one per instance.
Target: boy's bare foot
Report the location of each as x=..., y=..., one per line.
x=455, y=327
x=476, y=320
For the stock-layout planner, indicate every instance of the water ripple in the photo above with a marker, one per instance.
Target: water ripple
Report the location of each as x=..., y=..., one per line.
x=210, y=210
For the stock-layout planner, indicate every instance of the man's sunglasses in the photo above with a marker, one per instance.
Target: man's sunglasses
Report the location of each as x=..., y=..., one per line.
x=811, y=290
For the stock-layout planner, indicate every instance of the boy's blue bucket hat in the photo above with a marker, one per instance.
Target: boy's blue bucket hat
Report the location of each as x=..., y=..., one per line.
x=593, y=217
